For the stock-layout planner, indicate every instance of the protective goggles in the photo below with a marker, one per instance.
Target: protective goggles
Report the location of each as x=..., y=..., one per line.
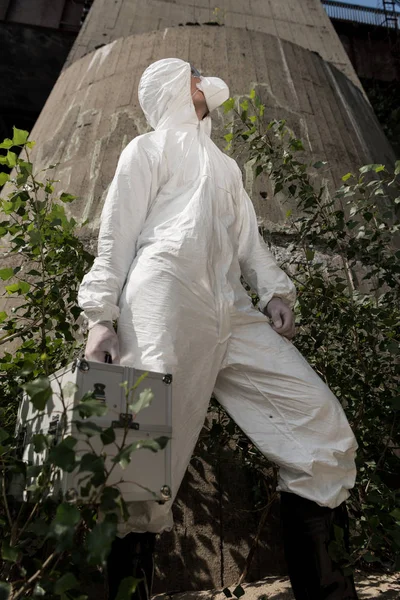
x=195, y=72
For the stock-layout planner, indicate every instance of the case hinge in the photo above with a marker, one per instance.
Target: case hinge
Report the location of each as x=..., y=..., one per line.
x=125, y=422
x=81, y=364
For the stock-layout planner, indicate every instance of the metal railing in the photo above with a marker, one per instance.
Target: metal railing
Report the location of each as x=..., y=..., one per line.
x=360, y=14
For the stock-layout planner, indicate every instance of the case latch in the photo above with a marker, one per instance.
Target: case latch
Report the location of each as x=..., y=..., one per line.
x=20, y=442
x=54, y=430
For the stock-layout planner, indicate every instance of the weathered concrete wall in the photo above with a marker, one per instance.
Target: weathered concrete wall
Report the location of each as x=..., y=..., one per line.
x=93, y=110
x=303, y=22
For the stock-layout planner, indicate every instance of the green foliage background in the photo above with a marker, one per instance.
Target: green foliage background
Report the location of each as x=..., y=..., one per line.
x=52, y=545
x=342, y=252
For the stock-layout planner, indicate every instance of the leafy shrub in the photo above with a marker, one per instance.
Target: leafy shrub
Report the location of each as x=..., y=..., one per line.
x=43, y=264
x=341, y=252
x=52, y=545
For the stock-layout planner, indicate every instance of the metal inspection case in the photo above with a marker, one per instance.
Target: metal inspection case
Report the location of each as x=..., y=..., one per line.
x=148, y=475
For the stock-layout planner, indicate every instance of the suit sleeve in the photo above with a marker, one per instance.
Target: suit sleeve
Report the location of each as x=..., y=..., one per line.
x=258, y=265
x=123, y=215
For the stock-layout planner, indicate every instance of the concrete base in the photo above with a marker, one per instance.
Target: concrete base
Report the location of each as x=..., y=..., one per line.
x=384, y=587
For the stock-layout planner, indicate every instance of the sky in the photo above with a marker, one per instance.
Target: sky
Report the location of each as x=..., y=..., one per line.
x=373, y=3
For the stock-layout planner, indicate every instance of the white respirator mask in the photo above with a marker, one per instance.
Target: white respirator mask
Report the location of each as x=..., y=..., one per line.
x=215, y=90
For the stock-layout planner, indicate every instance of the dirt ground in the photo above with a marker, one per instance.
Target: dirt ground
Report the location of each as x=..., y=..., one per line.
x=371, y=587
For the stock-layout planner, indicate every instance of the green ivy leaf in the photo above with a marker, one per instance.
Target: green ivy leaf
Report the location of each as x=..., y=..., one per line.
x=88, y=428
x=66, y=198
x=5, y=590
x=108, y=436
x=229, y=105
x=12, y=159
x=40, y=442
x=296, y=144
x=377, y=168
x=395, y=514
x=69, y=390
x=8, y=552
x=393, y=347
x=34, y=470
x=24, y=287
x=6, y=273
x=127, y=587
x=68, y=581
x=90, y=406
x=310, y=254
x=99, y=541
x=4, y=177
x=370, y=558
x=144, y=401
x=67, y=515
x=63, y=455
x=13, y=288
x=91, y=463
x=39, y=591
x=39, y=392
x=162, y=442
x=20, y=137
x=7, y=143
x=26, y=167
x=64, y=524
x=124, y=456
x=35, y=237
x=109, y=498
x=27, y=368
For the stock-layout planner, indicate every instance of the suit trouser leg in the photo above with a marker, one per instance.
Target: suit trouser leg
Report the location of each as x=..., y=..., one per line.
x=289, y=413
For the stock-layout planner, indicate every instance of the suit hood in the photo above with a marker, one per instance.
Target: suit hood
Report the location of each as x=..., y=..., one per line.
x=165, y=95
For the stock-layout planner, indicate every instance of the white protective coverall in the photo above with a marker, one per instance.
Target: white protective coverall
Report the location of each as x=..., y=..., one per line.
x=177, y=231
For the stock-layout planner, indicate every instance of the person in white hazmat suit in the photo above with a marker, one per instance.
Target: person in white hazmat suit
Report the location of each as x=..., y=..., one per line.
x=177, y=232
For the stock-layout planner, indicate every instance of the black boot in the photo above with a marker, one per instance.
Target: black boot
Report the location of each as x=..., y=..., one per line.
x=308, y=530
x=132, y=556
